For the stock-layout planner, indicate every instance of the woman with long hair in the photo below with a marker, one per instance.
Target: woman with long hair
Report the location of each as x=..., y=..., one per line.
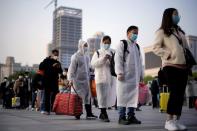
x=169, y=44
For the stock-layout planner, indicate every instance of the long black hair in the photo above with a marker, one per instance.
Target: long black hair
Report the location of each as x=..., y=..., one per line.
x=167, y=23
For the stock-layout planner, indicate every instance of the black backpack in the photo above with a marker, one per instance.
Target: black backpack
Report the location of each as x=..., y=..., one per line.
x=112, y=64
x=162, y=79
x=125, y=49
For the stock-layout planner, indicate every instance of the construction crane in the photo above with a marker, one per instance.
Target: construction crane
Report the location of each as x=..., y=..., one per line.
x=53, y=1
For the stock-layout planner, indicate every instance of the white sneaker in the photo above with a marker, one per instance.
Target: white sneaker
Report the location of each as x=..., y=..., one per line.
x=171, y=125
x=180, y=126
x=32, y=109
x=44, y=112
x=37, y=109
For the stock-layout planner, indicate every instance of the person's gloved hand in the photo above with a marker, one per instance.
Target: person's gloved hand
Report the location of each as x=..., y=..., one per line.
x=107, y=56
x=56, y=65
x=70, y=83
x=120, y=77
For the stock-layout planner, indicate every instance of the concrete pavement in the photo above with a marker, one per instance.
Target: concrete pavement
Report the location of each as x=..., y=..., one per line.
x=24, y=120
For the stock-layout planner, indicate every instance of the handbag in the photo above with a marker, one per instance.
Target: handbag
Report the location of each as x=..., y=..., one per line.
x=189, y=58
x=15, y=101
x=162, y=78
x=190, y=61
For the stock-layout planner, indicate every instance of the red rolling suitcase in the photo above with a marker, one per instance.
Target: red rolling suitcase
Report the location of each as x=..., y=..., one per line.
x=68, y=104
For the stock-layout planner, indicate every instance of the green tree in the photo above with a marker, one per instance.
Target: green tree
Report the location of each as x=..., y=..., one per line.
x=148, y=78
x=194, y=74
x=16, y=74
x=22, y=73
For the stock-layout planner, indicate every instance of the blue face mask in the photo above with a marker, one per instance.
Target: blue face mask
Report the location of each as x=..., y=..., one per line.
x=133, y=37
x=175, y=19
x=105, y=46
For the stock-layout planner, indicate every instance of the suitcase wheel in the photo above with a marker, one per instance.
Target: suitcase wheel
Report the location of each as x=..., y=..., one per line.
x=162, y=111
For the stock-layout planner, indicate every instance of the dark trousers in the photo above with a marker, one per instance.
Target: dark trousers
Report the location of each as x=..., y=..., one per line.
x=34, y=95
x=22, y=99
x=176, y=81
x=155, y=100
x=49, y=98
x=7, y=101
x=192, y=100
x=122, y=111
x=103, y=110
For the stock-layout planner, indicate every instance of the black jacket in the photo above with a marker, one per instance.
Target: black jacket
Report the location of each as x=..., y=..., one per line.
x=155, y=87
x=51, y=73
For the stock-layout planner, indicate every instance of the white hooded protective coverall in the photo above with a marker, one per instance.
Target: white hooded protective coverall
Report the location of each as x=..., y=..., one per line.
x=105, y=82
x=127, y=90
x=78, y=72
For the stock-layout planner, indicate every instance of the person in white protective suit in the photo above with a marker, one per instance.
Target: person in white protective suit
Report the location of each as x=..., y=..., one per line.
x=78, y=75
x=106, y=91
x=128, y=67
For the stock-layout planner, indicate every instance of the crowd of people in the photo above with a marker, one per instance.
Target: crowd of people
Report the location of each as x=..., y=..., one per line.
x=117, y=76
x=19, y=88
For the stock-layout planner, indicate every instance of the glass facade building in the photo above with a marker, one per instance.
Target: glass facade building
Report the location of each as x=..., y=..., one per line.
x=67, y=30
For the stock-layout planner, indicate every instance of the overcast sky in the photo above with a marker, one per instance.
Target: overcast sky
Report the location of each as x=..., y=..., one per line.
x=26, y=27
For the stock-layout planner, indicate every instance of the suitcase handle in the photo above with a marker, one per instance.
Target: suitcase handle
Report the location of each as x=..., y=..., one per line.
x=163, y=88
x=74, y=90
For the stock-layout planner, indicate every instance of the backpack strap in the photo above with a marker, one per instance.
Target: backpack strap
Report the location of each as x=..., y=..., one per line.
x=112, y=53
x=125, y=49
x=97, y=53
x=138, y=47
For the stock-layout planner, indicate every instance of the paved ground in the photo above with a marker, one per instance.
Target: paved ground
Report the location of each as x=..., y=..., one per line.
x=24, y=120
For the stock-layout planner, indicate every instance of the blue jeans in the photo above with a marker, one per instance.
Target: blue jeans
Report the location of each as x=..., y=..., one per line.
x=42, y=104
x=122, y=111
x=34, y=95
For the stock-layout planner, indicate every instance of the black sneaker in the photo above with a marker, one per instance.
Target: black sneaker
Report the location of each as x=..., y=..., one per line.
x=133, y=120
x=91, y=116
x=123, y=121
x=77, y=117
x=104, y=117
x=138, y=109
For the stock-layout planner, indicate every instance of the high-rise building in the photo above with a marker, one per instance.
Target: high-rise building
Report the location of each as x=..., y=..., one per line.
x=50, y=47
x=94, y=43
x=67, y=30
x=99, y=34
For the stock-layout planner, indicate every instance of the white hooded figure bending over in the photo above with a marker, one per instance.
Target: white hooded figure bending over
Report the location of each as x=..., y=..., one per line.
x=78, y=75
